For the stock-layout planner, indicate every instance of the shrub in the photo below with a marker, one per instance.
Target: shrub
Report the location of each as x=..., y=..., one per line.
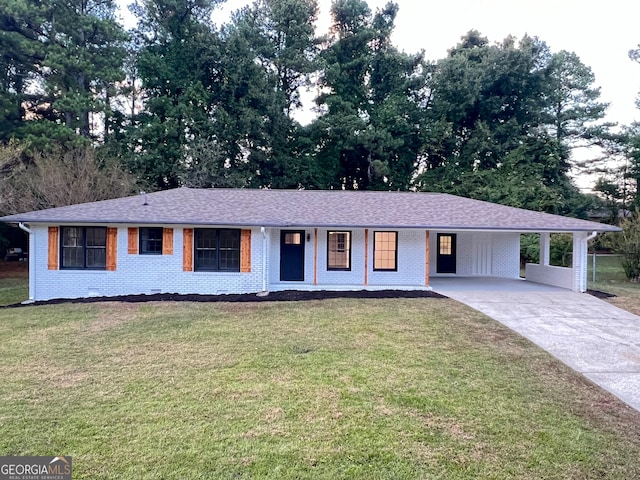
x=560, y=249
x=627, y=244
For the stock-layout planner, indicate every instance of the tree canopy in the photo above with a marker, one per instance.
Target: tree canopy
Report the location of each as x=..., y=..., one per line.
x=184, y=99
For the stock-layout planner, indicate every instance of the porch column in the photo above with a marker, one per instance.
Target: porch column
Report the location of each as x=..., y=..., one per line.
x=315, y=256
x=427, y=254
x=580, y=259
x=366, y=257
x=545, y=248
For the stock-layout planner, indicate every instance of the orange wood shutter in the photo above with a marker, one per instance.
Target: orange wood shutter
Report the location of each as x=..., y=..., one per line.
x=245, y=251
x=132, y=244
x=52, y=263
x=167, y=241
x=112, y=248
x=187, y=249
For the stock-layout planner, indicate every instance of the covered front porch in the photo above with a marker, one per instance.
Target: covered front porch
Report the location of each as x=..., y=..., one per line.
x=302, y=259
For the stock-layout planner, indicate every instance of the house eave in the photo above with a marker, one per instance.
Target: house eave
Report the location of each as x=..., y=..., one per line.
x=270, y=224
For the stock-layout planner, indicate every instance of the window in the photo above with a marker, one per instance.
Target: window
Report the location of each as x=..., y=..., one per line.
x=293, y=238
x=84, y=248
x=446, y=244
x=385, y=250
x=217, y=250
x=339, y=251
x=151, y=241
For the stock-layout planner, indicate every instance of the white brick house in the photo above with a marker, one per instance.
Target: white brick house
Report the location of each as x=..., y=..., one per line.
x=214, y=241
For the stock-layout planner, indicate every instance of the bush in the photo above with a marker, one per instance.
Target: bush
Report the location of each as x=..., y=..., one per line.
x=560, y=249
x=627, y=244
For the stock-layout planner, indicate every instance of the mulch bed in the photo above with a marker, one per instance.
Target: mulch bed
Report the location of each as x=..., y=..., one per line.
x=286, y=296
x=600, y=294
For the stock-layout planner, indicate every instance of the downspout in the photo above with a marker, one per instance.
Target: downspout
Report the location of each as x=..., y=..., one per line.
x=32, y=263
x=264, y=291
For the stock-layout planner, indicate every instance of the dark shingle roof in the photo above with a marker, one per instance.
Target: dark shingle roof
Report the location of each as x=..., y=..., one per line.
x=308, y=208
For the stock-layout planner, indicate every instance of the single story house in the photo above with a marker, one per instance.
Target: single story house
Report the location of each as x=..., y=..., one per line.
x=216, y=241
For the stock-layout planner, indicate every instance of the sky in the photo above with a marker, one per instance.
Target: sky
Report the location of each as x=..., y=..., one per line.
x=600, y=33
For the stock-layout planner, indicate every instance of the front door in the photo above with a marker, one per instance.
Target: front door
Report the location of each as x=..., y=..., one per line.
x=292, y=255
x=446, y=258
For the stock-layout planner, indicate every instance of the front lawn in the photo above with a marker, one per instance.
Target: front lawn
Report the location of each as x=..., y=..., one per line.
x=610, y=278
x=14, y=282
x=395, y=388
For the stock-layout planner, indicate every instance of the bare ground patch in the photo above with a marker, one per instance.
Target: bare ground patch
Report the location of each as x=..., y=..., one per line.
x=113, y=315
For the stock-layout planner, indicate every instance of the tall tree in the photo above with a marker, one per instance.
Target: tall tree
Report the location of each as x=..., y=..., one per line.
x=491, y=127
x=368, y=134
x=268, y=56
x=177, y=67
x=60, y=63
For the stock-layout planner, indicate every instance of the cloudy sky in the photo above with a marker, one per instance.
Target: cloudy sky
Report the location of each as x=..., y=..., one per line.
x=601, y=33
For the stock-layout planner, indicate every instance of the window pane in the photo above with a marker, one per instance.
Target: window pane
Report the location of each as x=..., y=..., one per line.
x=72, y=237
x=72, y=247
x=151, y=241
x=96, y=237
x=206, y=259
x=96, y=257
x=292, y=238
x=339, y=250
x=229, y=243
x=445, y=245
x=206, y=238
x=96, y=248
x=72, y=257
x=385, y=250
x=206, y=254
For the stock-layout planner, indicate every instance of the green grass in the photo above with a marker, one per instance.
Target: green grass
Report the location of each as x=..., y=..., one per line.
x=368, y=389
x=13, y=290
x=610, y=278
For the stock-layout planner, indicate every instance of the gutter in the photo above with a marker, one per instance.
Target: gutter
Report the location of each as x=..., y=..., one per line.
x=32, y=263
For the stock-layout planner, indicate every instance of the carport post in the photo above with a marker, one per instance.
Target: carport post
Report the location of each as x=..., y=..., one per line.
x=545, y=248
x=580, y=259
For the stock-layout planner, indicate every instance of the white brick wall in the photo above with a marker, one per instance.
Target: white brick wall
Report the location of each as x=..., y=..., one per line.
x=147, y=274
x=482, y=254
x=410, y=273
x=549, y=275
x=506, y=255
x=141, y=274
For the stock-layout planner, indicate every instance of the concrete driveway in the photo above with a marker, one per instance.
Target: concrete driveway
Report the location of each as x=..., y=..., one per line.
x=590, y=335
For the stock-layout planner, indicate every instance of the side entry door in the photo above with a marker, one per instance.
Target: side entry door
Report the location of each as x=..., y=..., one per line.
x=446, y=257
